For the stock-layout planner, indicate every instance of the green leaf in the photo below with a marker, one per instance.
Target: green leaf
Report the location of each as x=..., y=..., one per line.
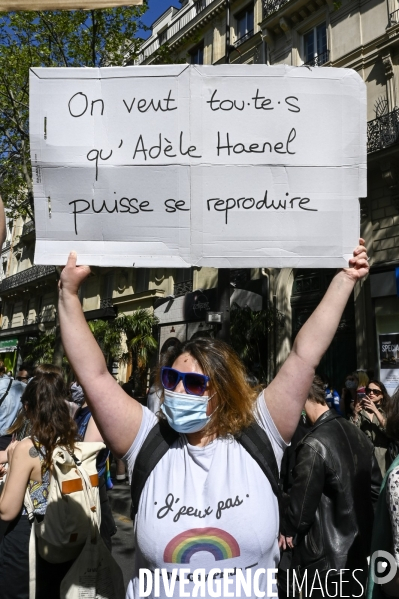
x=28, y=39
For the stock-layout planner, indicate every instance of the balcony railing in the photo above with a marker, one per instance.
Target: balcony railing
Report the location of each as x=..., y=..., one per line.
x=27, y=276
x=319, y=60
x=106, y=302
x=243, y=38
x=271, y=6
x=28, y=228
x=383, y=131
x=182, y=288
x=181, y=21
x=47, y=316
x=394, y=18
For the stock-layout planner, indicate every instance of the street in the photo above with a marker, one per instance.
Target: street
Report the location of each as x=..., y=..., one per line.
x=122, y=542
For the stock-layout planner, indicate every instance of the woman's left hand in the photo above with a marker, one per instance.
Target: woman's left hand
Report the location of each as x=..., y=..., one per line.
x=369, y=405
x=281, y=542
x=358, y=265
x=290, y=542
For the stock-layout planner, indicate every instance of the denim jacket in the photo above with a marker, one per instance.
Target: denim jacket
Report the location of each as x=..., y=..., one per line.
x=11, y=404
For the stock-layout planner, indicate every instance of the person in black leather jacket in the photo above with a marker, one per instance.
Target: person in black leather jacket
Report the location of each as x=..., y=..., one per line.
x=329, y=519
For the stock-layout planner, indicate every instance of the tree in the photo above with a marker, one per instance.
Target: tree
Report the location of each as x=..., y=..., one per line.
x=248, y=333
x=77, y=38
x=128, y=339
x=138, y=328
x=108, y=337
x=40, y=350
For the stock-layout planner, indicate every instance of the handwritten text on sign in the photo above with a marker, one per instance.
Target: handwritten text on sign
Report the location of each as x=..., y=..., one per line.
x=232, y=166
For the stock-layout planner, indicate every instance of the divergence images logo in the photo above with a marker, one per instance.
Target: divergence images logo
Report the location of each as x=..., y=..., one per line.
x=213, y=540
x=383, y=567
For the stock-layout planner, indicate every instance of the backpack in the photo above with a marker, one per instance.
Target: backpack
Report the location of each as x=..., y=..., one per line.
x=162, y=436
x=82, y=422
x=73, y=496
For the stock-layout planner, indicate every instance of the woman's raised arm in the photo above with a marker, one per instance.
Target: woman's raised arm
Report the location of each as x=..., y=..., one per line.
x=117, y=415
x=287, y=393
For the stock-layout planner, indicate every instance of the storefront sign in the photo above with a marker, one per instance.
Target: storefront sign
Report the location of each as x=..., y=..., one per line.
x=198, y=303
x=8, y=345
x=389, y=361
x=230, y=166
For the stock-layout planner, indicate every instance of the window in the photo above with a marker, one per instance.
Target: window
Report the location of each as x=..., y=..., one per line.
x=315, y=46
x=108, y=284
x=163, y=36
x=197, y=54
x=183, y=281
x=245, y=24
x=142, y=280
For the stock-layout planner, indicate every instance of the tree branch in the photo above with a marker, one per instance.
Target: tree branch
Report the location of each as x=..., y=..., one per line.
x=55, y=39
x=28, y=178
x=93, y=37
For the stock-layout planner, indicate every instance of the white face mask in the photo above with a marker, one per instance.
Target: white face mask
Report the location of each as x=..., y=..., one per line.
x=186, y=413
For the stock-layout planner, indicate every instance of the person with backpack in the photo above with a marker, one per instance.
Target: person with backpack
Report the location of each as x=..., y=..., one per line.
x=204, y=488
x=29, y=468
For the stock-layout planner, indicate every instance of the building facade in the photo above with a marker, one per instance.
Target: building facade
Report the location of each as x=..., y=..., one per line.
x=358, y=34
x=29, y=294
x=362, y=35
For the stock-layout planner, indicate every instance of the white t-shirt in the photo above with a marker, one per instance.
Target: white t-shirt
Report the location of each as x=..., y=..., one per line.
x=206, y=507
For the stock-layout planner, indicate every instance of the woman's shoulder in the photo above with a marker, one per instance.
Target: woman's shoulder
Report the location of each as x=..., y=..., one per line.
x=23, y=446
x=23, y=456
x=27, y=448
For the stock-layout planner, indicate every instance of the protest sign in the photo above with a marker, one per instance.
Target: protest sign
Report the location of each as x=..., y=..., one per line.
x=229, y=166
x=11, y=5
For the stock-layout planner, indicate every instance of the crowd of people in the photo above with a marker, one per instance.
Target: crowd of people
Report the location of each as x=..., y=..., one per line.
x=286, y=479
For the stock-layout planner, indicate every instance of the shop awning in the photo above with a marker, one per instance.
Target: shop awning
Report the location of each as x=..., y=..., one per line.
x=7, y=345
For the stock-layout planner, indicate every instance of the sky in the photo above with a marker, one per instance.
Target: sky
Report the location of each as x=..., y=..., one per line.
x=155, y=9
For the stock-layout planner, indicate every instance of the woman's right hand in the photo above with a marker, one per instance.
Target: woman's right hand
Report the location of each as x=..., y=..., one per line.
x=358, y=407
x=72, y=276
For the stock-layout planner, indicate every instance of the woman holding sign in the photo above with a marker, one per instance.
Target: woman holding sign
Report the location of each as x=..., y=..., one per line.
x=207, y=513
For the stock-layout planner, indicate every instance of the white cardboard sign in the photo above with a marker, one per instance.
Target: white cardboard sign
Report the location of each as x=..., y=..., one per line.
x=230, y=166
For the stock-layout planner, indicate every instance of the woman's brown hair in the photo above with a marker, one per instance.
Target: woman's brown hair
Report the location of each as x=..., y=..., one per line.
x=227, y=376
x=48, y=369
x=45, y=402
x=385, y=400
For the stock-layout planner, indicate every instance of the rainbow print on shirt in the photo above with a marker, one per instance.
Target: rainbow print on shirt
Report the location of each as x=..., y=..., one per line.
x=216, y=541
